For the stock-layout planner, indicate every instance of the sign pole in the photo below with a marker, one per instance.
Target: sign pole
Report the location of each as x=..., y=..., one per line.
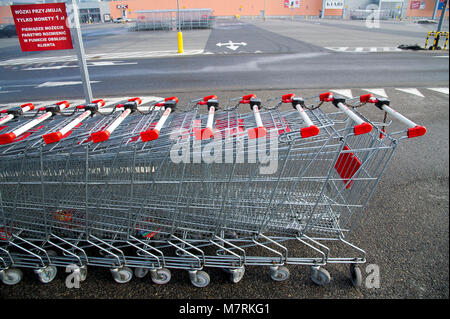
x=79, y=47
x=441, y=20
x=322, y=13
x=435, y=10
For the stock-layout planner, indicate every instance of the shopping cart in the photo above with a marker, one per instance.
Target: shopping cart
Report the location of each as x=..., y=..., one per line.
x=195, y=188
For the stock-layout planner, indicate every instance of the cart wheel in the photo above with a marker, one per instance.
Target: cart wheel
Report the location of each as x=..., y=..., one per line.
x=122, y=275
x=140, y=272
x=320, y=276
x=199, y=278
x=161, y=276
x=11, y=276
x=355, y=275
x=236, y=274
x=46, y=274
x=279, y=273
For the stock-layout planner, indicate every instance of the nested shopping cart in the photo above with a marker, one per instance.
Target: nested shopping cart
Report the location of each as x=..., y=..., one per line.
x=195, y=188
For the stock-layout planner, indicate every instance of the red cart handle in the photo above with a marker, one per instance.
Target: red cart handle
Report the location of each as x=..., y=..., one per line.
x=414, y=130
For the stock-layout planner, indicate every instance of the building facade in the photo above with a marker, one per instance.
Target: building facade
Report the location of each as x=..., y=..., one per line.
x=92, y=11
x=276, y=8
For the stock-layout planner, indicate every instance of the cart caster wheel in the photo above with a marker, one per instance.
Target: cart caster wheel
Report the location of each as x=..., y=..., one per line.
x=236, y=274
x=355, y=275
x=46, y=274
x=11, y=276
x=199, y=278
x=161, y=276
x=140, y=272
x=279, y=273
x=122, y=275
x=320, y=276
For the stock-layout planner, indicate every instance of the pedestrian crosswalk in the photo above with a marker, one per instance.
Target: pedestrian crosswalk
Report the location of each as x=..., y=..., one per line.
x=364, y=49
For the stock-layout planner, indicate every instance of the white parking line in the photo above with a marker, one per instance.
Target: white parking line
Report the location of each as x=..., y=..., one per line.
x=380, y=92
x=411, y=91
x=101, y=56
x=364, y=49
x=440, y=90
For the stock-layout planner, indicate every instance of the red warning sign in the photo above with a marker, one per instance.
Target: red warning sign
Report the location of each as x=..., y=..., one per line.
x=42, y=27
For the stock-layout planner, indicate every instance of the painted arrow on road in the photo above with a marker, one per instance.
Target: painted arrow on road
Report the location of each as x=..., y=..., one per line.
x=231, y=45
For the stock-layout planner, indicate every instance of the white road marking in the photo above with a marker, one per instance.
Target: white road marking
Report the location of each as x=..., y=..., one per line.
x=364, y=49
x=231, y=45
x=53, y=84
x=411, y=91
x=346, y=93
x=100, y=56
x=380, y=92
x=14, y=91
x=440, y=90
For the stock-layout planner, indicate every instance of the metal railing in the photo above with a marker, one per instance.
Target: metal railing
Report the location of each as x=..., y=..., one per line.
x=189, y=19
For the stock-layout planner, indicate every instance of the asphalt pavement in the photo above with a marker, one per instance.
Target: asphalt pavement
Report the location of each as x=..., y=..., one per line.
x=404, y=229
x=235, y=54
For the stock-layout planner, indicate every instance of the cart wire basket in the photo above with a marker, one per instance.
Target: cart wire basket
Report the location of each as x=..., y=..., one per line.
x=145, y=186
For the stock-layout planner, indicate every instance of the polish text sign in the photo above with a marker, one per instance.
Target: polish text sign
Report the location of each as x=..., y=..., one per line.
x=42, y=27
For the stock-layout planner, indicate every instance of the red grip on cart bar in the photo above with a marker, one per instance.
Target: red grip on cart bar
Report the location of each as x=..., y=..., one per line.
x=100, y=136
x=149, y=135
x=326, y=97
x=206, y=133
x=257, y=132
x=99, y=101
x=7, y=138
x=135, y=99
x=52, y=137
x=362, y=128
x=246, y=98
x=206, y=99
x=172, y=98
x=31, y=105
x=63, y=102
x=66, y=103
x=416, y=131
x=367, y=98
x=309, y=131
x=287, y=98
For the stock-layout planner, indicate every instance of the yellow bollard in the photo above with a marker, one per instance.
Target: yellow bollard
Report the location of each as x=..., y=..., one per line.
x=180, y=42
